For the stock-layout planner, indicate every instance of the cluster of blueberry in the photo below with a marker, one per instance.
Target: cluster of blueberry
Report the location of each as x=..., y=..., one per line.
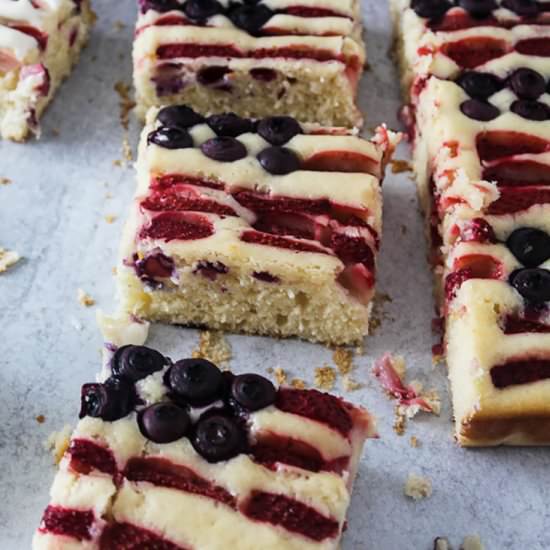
x=278, y=130
x=527, y=84
x=479, y=9
x=224, y=399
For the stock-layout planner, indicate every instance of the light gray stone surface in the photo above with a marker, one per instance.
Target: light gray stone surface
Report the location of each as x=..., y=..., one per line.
x=53, y=215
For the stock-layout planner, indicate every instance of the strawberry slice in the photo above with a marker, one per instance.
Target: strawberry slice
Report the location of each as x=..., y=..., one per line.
x=185, y=200
x=534, y=46
x=479, y=266
x=517, y=325
x=171, y=51
x=177, y=225
x=266, y=239
x=498, y=144
x=306, y=11
x=520, y=371
x=160, y=183
x=76, y=524
x=477, y=230
x=518, y=173
x=474, y=51
x=454, y=281
x=38, y=35
x=87, y=456
x=125, y=536
x=341, y=161
x=461, y=20
x=258, y=202
x=516, y=199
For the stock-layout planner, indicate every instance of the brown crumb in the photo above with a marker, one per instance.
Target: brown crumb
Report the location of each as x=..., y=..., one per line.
x=378, y=314
x=84, y=299
x=399, y=165
x=8, y=258
x=325, y=377
x=343, y=359
x=298, y=384
x=41, y=419
x=418, y=487
x=349, y=384
x=117, y=163
x=414, y=442
x=127, y=150
x=110, y=218
x=214, y=347
x=280, y=376
x=126, y=104
x=399, y=421
x=5, y=181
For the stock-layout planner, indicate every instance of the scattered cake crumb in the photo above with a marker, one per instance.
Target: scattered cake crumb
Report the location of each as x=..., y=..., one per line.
x=378, y=314
x=472, y=542
x=114, y=271
x=84, y=299
x=343, y=359
x=418, y=487
x=441, y=543
x=41, y=419
x=117, y=163
x=400, y=165
x=325, y=377
x=8, y=258
x=5, y=181
x=414, y=441
x=280, y=376
x=349, y=384
x=125, y=103
x=58, y=443
x=127, y=150
x=110, y=218
x=214, y=347
x=298, y=384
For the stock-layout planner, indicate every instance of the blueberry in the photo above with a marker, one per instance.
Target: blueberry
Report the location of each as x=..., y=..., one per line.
x=229, y=124
x=532, y=283
x=253, y=392
x=202, y=9
x=164, y=422
x=530, y=246
x=224, y=149
x=109, y=401
x=525, y=8
x=278, y=130
x=197, y=381
x=479, y=110
x=159, y=5
x=431, y=9
x=136, y=362
x=479, y=85
x=251, y=18
x=170, y=138
x=279, y=160
x=527, y=84
x=478, y=8
x=531, y=110
x=210, y=76
x=218, y=438
x=179, y=116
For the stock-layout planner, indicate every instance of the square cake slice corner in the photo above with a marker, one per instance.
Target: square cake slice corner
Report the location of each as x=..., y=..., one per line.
x=257, y=226
x=39, y=44
x=286, y=57
x=180, y=456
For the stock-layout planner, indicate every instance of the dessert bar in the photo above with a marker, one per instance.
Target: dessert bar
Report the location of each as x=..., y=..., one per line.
x=300, y=58
x=481, y=143
x=39, y=43
x=259, y=226
x=180, y=456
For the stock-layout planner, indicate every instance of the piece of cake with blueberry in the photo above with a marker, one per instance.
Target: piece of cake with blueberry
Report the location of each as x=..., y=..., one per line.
x=260, y=226
x=271, y=57
x=39, y=43
x=179, y=456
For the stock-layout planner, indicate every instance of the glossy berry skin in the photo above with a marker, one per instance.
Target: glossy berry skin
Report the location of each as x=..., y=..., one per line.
x=217, y=438
x=136, y=362
x=224, y=149
x=250, y=18
x=479, y=85
x=229, y=124
x=109, y=401
x=279, y=161
x=478, y=8
x=179, y=116
x=170, y=138
x=431, y=9
x=530, y=246
x=278, y=130
x=202, y=9
x=527, y=84
x=525, y=8
x=531, y=110
x=253, y=392
x=197, y=381
x=479, y=110
x=164, y=422
x=532, y=283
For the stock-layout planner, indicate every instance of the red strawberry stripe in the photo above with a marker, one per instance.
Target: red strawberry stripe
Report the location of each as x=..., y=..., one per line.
x=86, y=456
x=177, y=225
x=534, y=46
x=39, y=36
x=463, y=20
x=517, y=325
x=306, y=11
x=290, y=514
x=471, y=52
x=341, y=161
x=479, y=266
x=518, y=173
x=266, y=203
x=160, y=183
x=520, y=371
x=500, y=144
x=76, y=524
x=255, y=237
x=515, y=199
x=125, y=536
x=174, y=201
x=454, y=281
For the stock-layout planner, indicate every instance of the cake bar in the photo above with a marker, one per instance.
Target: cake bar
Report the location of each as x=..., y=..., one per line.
x=481, y=147
x=258, y=226
x=39, y=43
x=274, y=57
x=180, y=456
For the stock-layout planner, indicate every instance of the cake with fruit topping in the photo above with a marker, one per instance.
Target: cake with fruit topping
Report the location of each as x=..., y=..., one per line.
x=39, y=43
x=178, y=455
x=481, y=145
x=259, y=226
x=269, y=57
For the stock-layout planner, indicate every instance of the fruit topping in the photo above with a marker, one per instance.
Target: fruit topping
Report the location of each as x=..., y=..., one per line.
x=471, y=52
x=164, y=422
x=224, y=149
x=197, y=381
x=479, y=266
x=266, y=277
x=532, y=283
x=263, y=75
x=454, y=281
x=478, y=8
x=109, y=401
x=518, y=325
x=210, y=270
x=170, y=138
x=522, y=371
x=154, y=266
x=76, y=524
x=516, y=199
x=279, y=160
x=531, y=110
x=266, y=239
x=527, y=83
x=431, y=9
x=534, y=46
x=136, y=362
x=530, y=246
x=213, y=76
x=178, y=225
x=525, y=8
x=159, y=5
x=478, y=230
x=229, y=124
x=341, y=161
x=479, y=110
x=249, y=17
x=201, y=9
x=253, y=392
x=479, y=85
x=499, y=144
x=87, y=456
x=125, y=536
x=217, y=438
x=278, y=130
x=179, y=116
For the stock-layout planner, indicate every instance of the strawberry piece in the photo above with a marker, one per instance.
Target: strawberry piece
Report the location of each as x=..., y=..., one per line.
x=454, y=281
x=86, y=456
x=125, y=536
x=177, y=225
x=300, y=226
x=163, y=473
x=478, y=230
x=266, y=239
x=514, y=199
x=306, y=11
x=479, y=266
x=463, y=20
x=266, y=277
x=171, y=51
x=520, y=371
x=175, y=200
x=160, y=183
x=38, y=35
x=321, y=407
x=341, y=161
x=211, y=270
x=291, y=514
x=258, y=202
x=352, y=250
x=171, y=19
x=534, y=46
x=359, y=281
x=498, y=144
x=76, y=524
x=472, y=52
x=517, y=325
x=518, y=173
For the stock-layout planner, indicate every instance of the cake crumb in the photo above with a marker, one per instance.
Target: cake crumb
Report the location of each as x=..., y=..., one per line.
x=58, y=442
x=298, y=384
x=125, y=103
x=127, y=150
x=84, y=299
x=8, y=258
x=41, y=419
x=400, y=165
x=349, y=384
x=117, y=163
x=5, y=181
x=214, y=347
x=414, y=441
x=280, y=376
x=441, y=543
x=114, y=271
x=109, y=218
x=472, y=542
x=418, y=487
x=325, y=377
x=343, y=359
x=378, y=314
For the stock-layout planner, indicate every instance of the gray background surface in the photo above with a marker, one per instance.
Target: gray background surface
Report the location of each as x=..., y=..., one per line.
x=53, y=215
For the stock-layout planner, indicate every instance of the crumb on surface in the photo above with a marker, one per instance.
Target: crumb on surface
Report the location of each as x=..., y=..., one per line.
x=110, y=218
x=84, y=299
x=5, y=181
x=127, y=150
x=41, y=419
x=58, y=442
x=472, y=542
x=349, y=384
x=214, y=347
x=418, y=487
x=414, y=441
x=441, y=543
x=298, y=384
x=126, y=104
x=343, y=359
x=378, y=315
x=400, y=165
x=280, y=376
x=325, y=377
x=8, y=258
